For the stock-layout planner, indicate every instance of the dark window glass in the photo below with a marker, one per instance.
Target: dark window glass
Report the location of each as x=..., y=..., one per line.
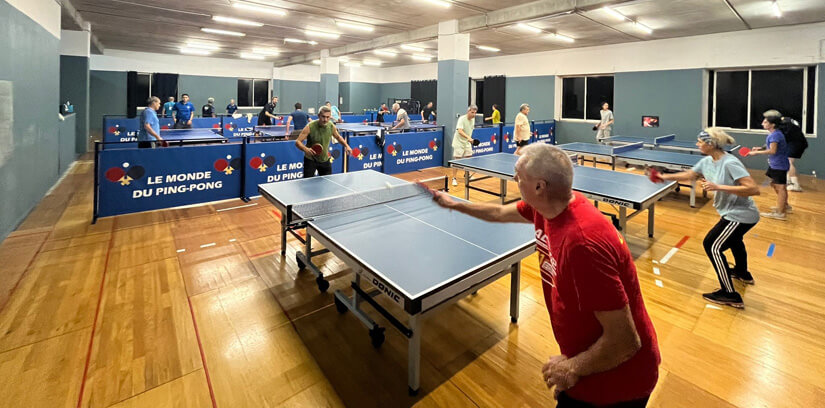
x=599, y=90
x=776, y=89
x=572, y=102
x=261, y=92
x=732, y=99
x=711, y=77
x=808, y=126
x=244, y=92
x=142, y=88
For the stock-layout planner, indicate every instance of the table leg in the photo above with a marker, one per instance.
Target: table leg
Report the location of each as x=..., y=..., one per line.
x=414, y=355
x=623, y=220
x=515, y=281
x=503, y=190
x=650, y=212
x=693, y=193
x=467, y=185
x=283, y=234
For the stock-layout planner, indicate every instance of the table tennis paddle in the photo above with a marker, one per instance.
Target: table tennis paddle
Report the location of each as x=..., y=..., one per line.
x=317, y=149
x=654, y=175
x=164, y=143
x=426, y=188
x=744, y=151
x=476, y=142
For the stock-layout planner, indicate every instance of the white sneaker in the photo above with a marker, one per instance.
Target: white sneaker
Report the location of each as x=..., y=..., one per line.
x=455, y=183
x=775, y=215
x=788, y=209
x=794, y=187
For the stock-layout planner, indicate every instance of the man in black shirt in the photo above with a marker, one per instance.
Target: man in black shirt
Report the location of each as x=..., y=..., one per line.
x=381, y=111
x=267, y=114
x=427, y=111
x=208, y=110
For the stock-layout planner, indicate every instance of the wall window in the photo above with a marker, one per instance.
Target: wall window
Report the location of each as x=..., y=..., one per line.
x=739, y=97
x=253, y=92
x=582, y=96
x=143, y=87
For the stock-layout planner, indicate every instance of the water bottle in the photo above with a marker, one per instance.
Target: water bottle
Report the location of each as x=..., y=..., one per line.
x=814, y=173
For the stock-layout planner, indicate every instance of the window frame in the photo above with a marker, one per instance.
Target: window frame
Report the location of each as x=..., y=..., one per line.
x=268, y=91
x=583, y=119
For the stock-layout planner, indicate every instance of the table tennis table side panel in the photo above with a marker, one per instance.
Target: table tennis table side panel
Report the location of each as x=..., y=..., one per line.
x=502, y=164
x=632, y=189
x=412, y=251
x=587, y=148
x=659, y=156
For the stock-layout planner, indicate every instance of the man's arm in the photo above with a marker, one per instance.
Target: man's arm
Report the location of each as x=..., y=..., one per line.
x=288, y=122
x=484, y=211
x=151, y=131
x=341, y=140
x=191, y=114
x=299, y=142
x=400, y=122
x=464, y=135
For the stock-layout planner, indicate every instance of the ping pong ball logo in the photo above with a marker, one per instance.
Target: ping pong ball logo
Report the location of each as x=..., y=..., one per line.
x=506, y=136
x=227, y=165
x=435, y=144
x=394, y=148
x=360, y=152
x=124, y=174
x=493, y=138
x=333, y=154
x=262, y=162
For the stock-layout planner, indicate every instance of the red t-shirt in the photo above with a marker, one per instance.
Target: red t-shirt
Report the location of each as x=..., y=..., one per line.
x=587, y=267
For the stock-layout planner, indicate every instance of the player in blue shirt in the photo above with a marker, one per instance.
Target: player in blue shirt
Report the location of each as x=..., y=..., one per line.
x=778, y=164
x=149, y=131
x=232, y=107
x=184, y=112
x=168, y=107
x=299, y=118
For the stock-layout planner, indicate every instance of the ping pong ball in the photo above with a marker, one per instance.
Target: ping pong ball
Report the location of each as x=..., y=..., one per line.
x=388, y=184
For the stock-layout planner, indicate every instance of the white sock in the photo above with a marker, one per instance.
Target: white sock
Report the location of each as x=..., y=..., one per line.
x=795, y=180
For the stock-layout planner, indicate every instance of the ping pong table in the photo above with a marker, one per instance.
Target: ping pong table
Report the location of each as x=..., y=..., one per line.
x=270, y=132
x=197, y=135
x=667, y=142
x=622, y=190
x=635, y=154
x=414, y=126
x=357, y=128
x=407, y=248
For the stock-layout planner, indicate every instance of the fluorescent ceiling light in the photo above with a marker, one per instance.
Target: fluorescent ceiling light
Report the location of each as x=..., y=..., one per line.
x=642, y=27
x=354, y=26
x=441, y=3
x=298, y=41
x=486, y=48
x=528, y=28
x=386, y=53
x=202, y=46
x=373, y=63
x=252, y=56
x=193, y=51
x=259, y=8
x=265, y=51
x=313, y=33
x=777, y=12
x=343, y=59
x=614, y=13
x=419, y=57
x=316, y=62
x=222, y=32
x=562, y=38
x=412, y=48
x=353, y=64
x=237, y=21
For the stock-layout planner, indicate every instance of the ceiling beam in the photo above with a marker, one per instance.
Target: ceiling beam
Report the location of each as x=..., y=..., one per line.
x=68, y=8
x=498, y=18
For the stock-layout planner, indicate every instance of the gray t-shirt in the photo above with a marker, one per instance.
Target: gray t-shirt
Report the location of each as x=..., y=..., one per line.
x=402, y=114
x=726, y=171
x=607, y=116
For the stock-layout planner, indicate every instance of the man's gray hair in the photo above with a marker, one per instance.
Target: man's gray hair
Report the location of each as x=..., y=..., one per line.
x=523, y=105
x=396, y=106
x=210, y=100
x=323, y=109
x=171, y=98
x=152, y=100
x=551, y=164
x=472, y=107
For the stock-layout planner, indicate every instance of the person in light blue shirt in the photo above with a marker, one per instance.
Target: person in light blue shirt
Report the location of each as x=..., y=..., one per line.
x=776, y=147
x=184, y=112
x=168, y=107
x=336, y=114
x=149, y=131
x=733, y=187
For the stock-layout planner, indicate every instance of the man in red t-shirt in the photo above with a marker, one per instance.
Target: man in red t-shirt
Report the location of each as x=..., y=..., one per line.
x=609, y=353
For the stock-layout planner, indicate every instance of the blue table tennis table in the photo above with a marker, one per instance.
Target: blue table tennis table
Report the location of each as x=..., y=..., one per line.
x=414, y=126
x=270, y=132
x=635, y=154
x=185, y=136
x=667, y=142
x=622, y=190
x=358, y=128
x=405, y=246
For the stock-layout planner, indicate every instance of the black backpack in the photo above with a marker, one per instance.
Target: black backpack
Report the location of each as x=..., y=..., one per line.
x=793, y=132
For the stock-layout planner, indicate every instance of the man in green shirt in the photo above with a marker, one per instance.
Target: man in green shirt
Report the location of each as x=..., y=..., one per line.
x=318, y=135
x=463, y=137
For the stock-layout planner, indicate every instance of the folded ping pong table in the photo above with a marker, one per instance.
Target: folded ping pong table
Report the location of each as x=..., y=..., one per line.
x=635, y=154
x=667, y=142
x=405, y=246
x=622, y=190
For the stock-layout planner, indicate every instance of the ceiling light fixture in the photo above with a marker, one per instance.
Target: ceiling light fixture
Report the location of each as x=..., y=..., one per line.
x=419, y=57
x=193, y=51
x=259, y=8
x=202, y=46
x=222, y=32
x=354, y=26
x=643, y=28
x=316, y=62
x=251, y=56
x=615, y=14
x=441, y=3
x=373, y=63
x=528, y=28
x=777, y=12
x=412, y=48
x=265, y=51
x=386, y=53
x=353, y=64
x=343, y=59
x=562, y=38
x=322, y=34
x=236, y=21
x=486, y=48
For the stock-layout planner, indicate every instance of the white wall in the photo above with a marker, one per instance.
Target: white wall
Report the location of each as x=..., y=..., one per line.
x=75, y=43
x=119, y=60
x=310, y=73
x=407, y=73
x=43, y=12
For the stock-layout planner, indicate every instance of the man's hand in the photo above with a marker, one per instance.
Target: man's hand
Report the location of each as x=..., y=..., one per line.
x=348, y=150
x=443, y=199
x=708, y=186
x=557, y=372
x=189, y=122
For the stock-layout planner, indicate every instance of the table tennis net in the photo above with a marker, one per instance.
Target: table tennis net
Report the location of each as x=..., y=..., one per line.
x=356, y=200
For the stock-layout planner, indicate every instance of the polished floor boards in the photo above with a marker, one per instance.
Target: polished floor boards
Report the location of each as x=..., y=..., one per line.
x=195, y=307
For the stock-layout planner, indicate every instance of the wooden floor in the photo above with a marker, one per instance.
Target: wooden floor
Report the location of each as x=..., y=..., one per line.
x=195, y=308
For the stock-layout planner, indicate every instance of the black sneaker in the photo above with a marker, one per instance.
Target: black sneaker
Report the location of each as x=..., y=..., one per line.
x=724, y=298
x=744, y=277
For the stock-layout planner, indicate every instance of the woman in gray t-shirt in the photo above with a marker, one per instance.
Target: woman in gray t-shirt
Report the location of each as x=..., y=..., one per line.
x=733, y=187
x=605, y=125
